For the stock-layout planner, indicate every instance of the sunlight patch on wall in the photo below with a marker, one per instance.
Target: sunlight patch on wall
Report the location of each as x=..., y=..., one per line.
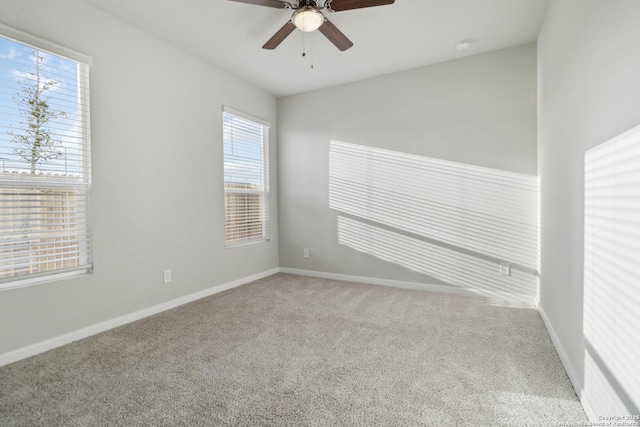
x=449, y=220
x=481, y=209
x=538, y=235
x=612, y=275
x=453, y=267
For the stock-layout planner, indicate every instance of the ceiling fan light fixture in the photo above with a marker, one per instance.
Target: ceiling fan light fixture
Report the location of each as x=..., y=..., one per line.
x=307, y=19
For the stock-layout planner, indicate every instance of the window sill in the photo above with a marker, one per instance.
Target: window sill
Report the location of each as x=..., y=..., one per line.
x=33, y=281
x=237, y=245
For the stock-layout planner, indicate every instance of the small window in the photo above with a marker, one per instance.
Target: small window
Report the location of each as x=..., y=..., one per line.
x=246, y=183
x=45, y=178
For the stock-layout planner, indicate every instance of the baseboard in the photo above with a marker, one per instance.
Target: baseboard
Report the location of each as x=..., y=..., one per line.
x=588, y=409
x=502, y=296
x=568, y=367
x=41, y=347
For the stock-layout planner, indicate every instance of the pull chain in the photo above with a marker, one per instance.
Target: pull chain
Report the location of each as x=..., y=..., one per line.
x=304, y=39
x=304, y=53
x=312, y=55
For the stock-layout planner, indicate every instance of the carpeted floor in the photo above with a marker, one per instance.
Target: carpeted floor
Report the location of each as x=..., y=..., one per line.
x=296, y=351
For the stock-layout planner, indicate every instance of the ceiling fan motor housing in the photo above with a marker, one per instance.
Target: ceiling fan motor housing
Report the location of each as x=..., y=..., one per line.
x=311, y=4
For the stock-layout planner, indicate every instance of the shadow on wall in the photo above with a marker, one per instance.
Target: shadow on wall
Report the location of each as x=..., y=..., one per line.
x=452, y=221
x=612, y=277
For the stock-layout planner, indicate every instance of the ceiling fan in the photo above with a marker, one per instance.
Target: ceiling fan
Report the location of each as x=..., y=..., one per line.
x=307, y=16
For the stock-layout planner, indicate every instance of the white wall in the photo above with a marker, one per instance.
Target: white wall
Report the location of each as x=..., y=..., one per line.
x=589, y=92
x=479, y=112
x=157, y=176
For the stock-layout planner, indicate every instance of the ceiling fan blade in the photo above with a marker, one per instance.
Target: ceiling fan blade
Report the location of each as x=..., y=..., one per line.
x=340, y=5
x=336, y=37
x=269, y=3
x=279, y=36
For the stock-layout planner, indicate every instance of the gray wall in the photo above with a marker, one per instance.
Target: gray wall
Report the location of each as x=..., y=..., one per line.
x=478, y=111
x=589, y=85
x=157, y=176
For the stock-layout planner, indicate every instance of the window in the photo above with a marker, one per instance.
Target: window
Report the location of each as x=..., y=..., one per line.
x=45, y=180
x=246, y=183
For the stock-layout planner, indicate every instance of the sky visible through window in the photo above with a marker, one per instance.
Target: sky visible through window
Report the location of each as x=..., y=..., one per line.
x=17, y=61
x=243, y=151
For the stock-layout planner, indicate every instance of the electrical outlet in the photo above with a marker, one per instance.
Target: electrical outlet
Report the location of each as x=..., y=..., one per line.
x=306, y=253
x=505, y=269
x=167, y=276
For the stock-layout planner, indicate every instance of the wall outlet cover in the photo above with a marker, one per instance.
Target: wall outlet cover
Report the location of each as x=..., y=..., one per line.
x=505, y=269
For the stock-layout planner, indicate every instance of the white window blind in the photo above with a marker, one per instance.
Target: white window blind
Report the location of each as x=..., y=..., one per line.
x=246, y=184
x=45, y=180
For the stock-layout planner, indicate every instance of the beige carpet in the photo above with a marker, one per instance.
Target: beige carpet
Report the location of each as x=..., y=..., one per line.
x=295, y=351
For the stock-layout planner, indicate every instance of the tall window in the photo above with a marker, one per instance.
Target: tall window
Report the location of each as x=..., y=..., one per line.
x=246, y=172
x=45, y=178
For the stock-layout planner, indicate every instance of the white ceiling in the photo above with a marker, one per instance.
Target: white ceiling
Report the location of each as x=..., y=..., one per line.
x=405, y=35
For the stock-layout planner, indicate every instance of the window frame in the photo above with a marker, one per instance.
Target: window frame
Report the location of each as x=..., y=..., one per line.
x=85, y=252
x=263, y=192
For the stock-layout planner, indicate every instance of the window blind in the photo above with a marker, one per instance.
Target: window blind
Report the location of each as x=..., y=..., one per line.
x=45, y=180
x=246, y=171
